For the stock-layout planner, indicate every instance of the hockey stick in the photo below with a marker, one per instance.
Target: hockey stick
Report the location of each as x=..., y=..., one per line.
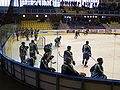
x=94, y=59
x=53, y=62
x=60, y=54
x=40, y=55
x=63, y=57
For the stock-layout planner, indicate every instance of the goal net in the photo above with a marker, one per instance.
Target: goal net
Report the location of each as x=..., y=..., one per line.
x=41, y=42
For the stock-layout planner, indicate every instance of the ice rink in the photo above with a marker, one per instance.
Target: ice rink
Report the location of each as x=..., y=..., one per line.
x=105, y=46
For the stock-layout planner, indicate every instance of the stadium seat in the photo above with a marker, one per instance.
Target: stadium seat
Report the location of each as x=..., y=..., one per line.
x=36, y=25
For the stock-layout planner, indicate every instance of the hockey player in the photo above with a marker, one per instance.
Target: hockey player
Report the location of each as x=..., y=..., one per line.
x=86, y=32
x=68, y=54
x=76, y=34
x=33, y=49
x=48, y=49
x=45, y=61
x=17, y=34
x=31, y=32
x=26, y=34
x=86, y=49
x=67, y=68
x=22, y=50
x=22, y=32
x=36, y=34
x=57, y=41
x=30, y=61
x=97, y=70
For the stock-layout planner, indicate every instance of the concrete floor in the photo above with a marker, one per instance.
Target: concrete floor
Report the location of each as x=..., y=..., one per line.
x=7, y=83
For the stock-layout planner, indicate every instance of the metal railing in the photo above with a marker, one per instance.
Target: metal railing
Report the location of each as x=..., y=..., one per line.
x=80, y=12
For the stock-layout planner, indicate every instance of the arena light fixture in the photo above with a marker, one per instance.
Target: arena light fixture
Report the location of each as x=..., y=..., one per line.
x=90, y=16
x=45, y=15
x=84, y=16
x=37, y=16
x=95, y=16
x=65, y=17
x=23, y=15
x=103, y=16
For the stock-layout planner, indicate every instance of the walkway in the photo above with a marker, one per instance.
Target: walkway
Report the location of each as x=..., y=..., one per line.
x=6, y=83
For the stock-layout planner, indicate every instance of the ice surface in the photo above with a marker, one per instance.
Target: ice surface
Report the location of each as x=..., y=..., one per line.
x=105, y=46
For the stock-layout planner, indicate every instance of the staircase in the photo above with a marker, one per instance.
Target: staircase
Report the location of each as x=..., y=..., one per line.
x=108, y=29
x=63, y=26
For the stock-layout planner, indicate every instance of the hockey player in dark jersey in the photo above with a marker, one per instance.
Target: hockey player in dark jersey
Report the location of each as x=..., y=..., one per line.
x=97, y=70
x=27, y=34
x=23, y=50
x=68, y=54
x=45, y=61
x=86, y=49
x=86, y=31
x=33, y=48
x=68, y=69
x=57, y=41
x=77, y=33
x=48, y=49
x=30, y=61
x=31, y=32
x=36, y=34
x=17, y=34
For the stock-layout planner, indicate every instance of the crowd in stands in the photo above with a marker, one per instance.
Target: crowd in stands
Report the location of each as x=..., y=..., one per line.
x=39, y=9
x=101, y=7
x=109, y=7
x=91, y=23
x=76, y=7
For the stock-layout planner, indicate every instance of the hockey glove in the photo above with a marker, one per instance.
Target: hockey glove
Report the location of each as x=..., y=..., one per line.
x=51, y=57
x=82, y=74
x=74, y=63
x=51, y=69
x=26, y=47
x=37, y=52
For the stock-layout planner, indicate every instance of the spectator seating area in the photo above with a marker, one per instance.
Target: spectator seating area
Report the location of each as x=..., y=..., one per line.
x=39, y=9
x=35, y=25
x=103, y=8
x=114, y=23
x=77, y=24
x=72, y=9
x=115, y=26
x=109, y=7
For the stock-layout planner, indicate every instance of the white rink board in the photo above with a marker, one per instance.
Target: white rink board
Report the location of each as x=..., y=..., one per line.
x=106, y=46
